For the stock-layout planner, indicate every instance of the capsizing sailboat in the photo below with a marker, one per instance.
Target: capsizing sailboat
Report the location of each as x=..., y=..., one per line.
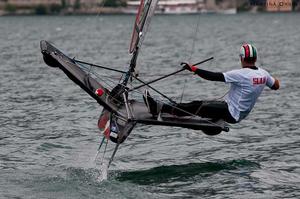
x=120, y=113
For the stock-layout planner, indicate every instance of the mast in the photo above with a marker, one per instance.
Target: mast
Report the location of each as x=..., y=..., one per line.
x=141, y=24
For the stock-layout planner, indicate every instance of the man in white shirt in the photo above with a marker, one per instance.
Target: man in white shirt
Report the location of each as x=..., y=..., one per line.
x=246, y=83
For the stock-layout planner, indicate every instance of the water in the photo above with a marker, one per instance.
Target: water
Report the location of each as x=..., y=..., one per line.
x=49, y=137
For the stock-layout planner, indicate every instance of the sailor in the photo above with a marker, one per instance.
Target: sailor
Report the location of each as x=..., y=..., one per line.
x=246, y=85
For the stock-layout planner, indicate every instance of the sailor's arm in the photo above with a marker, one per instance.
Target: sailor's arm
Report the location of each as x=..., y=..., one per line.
x=272, y=82
x=276, y=84
x=208, y=75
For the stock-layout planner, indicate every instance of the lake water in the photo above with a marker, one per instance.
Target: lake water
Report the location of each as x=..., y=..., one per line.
x=48, y=131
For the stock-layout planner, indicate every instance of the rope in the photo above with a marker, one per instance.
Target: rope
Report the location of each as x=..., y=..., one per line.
x=194, y=36
x=210, y=64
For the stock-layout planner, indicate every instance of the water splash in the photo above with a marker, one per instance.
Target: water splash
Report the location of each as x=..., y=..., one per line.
x=103, y=172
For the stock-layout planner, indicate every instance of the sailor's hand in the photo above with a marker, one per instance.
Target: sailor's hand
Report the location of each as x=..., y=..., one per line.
x=188, y=67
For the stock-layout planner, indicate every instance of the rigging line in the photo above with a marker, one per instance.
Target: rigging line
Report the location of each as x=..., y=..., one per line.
x=184, y=85
x=218, y=98
x=194, y=38
x=99, y=77
x=86, y=69
x=116, y=70
x=141, y=74
x=214, y=39
x=191, y=54
x=168, y=75
x=214, y=46
x=155, y=90
x=159, y=75
x=115, y=99
x=98, y=66
x=102, y=78
x=105, y=82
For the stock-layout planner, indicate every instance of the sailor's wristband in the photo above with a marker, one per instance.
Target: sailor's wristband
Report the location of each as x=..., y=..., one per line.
x=194, y=68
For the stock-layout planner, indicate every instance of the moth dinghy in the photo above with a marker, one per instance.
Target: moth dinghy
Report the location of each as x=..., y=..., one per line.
x=120, y=113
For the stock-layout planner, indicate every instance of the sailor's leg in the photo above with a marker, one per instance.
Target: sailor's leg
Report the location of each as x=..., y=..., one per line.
x=208, y=109
x=216, y=110
x=182, y=109
x=154, y=106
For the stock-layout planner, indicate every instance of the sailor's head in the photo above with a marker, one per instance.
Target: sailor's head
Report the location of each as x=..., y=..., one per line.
x=248, y=55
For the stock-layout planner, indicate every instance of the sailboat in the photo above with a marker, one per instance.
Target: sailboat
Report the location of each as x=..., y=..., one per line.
x=120, y=113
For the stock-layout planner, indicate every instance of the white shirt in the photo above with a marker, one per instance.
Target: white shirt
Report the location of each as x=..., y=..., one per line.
x=246, y=86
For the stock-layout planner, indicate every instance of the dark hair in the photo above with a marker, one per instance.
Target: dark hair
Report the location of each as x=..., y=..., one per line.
x=250, y=59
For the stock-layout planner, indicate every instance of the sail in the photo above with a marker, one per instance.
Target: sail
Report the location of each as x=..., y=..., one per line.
x=142, y=22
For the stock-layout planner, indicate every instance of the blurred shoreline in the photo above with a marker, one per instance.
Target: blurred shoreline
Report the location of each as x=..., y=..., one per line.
x=110, y=7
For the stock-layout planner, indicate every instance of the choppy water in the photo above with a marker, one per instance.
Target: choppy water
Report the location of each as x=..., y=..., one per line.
x=48, y=132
